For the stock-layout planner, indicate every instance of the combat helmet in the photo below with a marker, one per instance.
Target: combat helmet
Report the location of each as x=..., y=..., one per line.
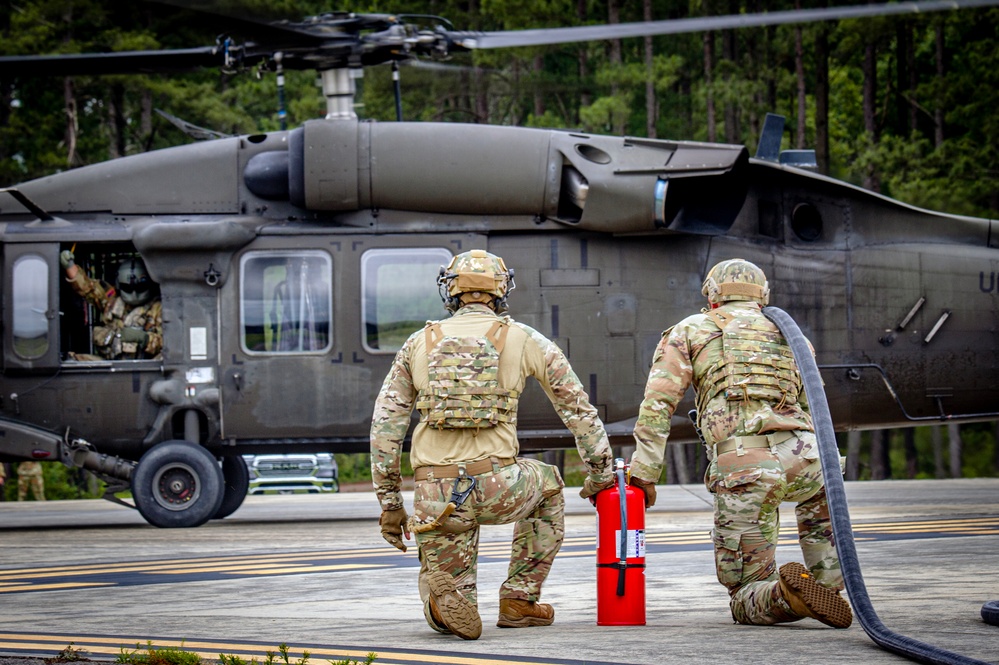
x=134, y=284
x=736, y=279
x=475, y=272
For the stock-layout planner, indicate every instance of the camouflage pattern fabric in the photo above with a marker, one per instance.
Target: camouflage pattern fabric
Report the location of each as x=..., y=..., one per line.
x=748, y=491
x=526, y=353
x=528, y=493
x=748, y=488
x=29, y=474
x=115, y=315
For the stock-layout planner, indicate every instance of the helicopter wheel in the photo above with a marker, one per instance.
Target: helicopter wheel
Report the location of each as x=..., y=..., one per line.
x=990, y=612
x=177, y=484
x=235, y=483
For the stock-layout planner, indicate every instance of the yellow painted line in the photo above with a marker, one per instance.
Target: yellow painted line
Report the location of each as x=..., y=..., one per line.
x=51, y=587
x=211, y=650
x=316, y=569
x=159, y=563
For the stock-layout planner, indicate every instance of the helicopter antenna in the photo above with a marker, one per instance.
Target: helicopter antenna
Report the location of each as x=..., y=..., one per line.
x=279, y=71
x=397, y=88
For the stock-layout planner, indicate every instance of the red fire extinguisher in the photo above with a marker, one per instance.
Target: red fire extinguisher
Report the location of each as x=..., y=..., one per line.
x=621, y=554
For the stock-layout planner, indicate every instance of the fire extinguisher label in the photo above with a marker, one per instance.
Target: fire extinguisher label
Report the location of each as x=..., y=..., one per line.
x=636, y=542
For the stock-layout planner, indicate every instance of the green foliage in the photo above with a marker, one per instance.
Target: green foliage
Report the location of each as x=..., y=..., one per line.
x=356, y=467
x=576, y=85
x=60, y=482
x=157, y=656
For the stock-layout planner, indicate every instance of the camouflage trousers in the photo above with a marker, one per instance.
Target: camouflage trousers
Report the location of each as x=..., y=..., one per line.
x=528, y=493
x=748, y=491
x=35, y=483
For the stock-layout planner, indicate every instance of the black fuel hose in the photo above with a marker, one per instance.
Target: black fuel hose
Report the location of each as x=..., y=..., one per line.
x=836, y=492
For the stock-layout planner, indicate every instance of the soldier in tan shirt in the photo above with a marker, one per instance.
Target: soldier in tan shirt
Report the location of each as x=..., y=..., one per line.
x=465, y=375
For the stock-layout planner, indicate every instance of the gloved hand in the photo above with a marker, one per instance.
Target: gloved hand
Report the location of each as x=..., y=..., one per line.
x=66, y=259
x=136, y=335
x=395, y=523
x=646, y=486
x=591, y=487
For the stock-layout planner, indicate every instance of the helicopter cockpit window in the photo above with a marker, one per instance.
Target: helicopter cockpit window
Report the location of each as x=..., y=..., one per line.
x=400, y=294
x=286, y=302
x=31, y=304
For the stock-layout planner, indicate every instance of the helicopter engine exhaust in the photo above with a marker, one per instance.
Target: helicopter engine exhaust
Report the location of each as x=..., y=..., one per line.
x=597, y=183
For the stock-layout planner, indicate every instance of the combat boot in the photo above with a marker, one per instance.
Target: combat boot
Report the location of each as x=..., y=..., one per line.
x=450, y=609
x=516, y=613
x=808, y=598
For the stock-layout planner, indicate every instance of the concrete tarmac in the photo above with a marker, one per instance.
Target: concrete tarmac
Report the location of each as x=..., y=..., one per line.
x=312, y=572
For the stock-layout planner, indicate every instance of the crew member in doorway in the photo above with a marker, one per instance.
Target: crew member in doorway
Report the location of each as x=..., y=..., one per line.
x=464, y=375
x=755, y=423
x=130, y=312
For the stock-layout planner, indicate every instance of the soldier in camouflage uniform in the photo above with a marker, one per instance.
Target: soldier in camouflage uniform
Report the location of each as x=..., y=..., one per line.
x=755, y=424
x=29, y=474
x=464, y=375
x=131, y=319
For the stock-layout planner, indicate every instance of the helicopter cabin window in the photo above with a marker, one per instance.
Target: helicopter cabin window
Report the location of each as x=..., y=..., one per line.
x=400, y=294
x=110, y=304
x=31, y=303
x=286, y=302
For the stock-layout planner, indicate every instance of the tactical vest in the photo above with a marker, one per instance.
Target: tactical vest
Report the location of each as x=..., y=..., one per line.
x=463, y=391
x=756, y=363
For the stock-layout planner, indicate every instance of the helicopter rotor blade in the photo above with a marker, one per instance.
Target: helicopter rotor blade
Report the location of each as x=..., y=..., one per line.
x=117, y=62
x=546, y=36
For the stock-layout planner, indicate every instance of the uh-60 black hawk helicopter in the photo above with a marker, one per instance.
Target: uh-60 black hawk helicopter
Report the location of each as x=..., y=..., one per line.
x=292, y=265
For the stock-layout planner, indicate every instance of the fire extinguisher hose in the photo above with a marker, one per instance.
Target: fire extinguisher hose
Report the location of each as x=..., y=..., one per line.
x=623, y=548
x=839, y=513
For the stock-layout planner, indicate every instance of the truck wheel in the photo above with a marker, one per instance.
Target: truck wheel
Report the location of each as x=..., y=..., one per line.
x=177, y=484
x=235, y=483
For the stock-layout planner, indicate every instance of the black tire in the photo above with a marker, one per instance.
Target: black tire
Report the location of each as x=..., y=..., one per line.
x=235, y=483
x=990, y=612
x=177, y=484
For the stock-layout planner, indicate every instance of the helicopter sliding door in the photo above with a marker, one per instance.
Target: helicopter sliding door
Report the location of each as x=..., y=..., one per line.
x=315, y=323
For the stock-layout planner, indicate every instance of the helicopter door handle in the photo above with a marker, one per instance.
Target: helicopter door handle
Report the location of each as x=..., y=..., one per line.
x=237, y=380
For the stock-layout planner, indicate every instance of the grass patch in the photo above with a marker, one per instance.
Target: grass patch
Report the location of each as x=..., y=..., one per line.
x=153, y=655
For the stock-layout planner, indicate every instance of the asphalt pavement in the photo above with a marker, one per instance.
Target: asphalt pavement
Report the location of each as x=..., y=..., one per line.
x=312, y=572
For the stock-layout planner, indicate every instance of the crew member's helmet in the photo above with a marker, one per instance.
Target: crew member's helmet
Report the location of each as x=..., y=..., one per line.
x=736, y=279
x=477, y=273
x=134, y=284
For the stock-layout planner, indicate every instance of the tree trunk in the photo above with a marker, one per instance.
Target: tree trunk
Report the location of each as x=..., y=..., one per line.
x=909, y=446
x=870, y=70
x=650, y=84
x=709, y=66
x=72, y=120
x=956, y=449
x=880, y=469
x=585, y=98
x=729, y=53
x=939, y=469
x=616, y=60
x=539, y=97
x=678, y=460
x=938, y=115
x=853, y=441
x=822, y=98
x=799, y=71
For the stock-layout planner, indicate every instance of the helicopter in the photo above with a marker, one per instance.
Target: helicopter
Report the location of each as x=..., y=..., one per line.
x=292, y=265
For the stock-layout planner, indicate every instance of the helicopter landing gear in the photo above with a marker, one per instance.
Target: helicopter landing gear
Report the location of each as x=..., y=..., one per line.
x=235, y=483
x=177, y=484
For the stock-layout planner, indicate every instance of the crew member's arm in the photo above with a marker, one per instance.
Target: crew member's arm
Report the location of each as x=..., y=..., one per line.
x=551, y=368
x=669, y=379
x=389, y=425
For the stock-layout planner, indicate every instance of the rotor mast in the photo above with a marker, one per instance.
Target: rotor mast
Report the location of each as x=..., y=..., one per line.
x=339, y=90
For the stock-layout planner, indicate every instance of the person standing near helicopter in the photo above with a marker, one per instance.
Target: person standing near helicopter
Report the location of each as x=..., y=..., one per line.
x=131, y=324
x=464, y=375
x=757, y=430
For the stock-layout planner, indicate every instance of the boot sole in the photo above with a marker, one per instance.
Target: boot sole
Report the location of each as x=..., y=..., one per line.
x=507, y=621
x=459, y=616
x=827, y=605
